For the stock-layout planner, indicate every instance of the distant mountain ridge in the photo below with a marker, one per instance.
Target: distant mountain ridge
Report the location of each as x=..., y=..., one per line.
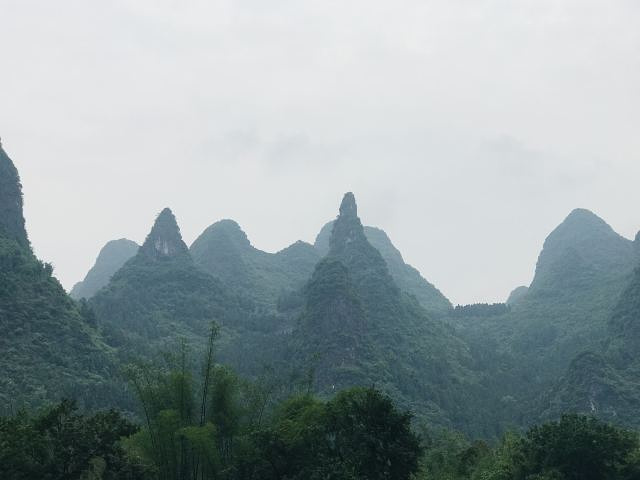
x=224, y=251
x=110, y=259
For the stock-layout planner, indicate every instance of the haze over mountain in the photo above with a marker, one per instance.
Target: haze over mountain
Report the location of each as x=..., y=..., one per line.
x=347, y=309
x=111, y=257
x=352, y=104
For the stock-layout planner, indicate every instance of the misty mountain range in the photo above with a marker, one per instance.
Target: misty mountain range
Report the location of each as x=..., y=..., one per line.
x=344, y=311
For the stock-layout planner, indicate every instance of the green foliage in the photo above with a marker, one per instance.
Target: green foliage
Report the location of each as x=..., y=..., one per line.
x=49, y=346
x=573, y=448
x=483, y=310
x=61, y=444
x=579, y=448
x=221, y=427
x=406, y=277
x=223, y=250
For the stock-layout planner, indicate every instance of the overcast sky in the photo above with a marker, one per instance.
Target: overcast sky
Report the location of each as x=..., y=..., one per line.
x=467, y=129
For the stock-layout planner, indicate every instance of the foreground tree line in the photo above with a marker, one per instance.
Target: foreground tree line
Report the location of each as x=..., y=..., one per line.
x=217, y=426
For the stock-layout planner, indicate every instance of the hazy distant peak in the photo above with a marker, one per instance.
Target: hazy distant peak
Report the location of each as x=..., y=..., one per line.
x=575, y=250
x=297, y=246
x=229, y=229
x=165, y=239
x=517, y=295
x=111, y=258
x=585, y=217
x=11, y=215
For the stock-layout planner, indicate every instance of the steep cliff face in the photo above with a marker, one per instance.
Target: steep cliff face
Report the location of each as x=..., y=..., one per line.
x=110, y=259
x=164, y=240
x=11, y=216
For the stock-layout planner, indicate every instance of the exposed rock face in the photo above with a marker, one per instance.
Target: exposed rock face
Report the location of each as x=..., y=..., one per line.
x=110, y=259
x=164, y=240
x=11, y=216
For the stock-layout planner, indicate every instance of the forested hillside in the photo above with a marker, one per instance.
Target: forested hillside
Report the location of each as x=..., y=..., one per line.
x=49, y=345
x=345, y=312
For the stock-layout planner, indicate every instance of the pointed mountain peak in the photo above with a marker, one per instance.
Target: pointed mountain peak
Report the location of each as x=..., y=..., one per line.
x=164, y=240
x=347, y=229
x=583, y=216
x=348, y=207
x=11, y=216
x=577, y=248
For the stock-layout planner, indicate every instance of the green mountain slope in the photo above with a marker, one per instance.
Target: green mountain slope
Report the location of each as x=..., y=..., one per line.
x=406, y=277
x=110, y=259
x=224, y=251
x=49, y=348
x=159, y=295
x=609, y=379
x=359, y=328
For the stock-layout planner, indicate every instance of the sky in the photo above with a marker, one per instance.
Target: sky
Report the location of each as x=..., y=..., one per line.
x=467, y=129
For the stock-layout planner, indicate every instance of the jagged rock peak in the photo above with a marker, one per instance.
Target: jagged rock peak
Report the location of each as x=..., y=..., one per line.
x=347, y=229
x=11, y=216
x=165, y=239
x=348, y=207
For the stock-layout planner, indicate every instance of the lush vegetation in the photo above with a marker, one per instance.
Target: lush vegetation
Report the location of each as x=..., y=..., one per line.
x=299, y=338
x=572, y=448
x=49, y=345
x=404, y=275
x=223, y=250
